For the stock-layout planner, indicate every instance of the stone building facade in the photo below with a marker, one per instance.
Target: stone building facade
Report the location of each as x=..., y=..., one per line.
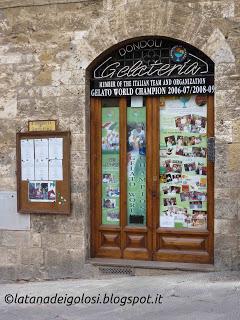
x=45, y=50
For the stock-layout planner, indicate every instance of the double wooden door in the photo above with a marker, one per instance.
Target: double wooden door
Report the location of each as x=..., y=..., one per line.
x=151, y=178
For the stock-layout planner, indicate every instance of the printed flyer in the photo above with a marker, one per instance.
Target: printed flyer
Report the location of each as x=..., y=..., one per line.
x=110, y=165
x=136, y=147
x=183, y=164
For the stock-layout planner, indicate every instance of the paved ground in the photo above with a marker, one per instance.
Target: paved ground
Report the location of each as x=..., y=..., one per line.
x=195, y=296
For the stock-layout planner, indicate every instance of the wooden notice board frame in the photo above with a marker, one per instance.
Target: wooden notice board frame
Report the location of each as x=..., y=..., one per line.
x=62, y=205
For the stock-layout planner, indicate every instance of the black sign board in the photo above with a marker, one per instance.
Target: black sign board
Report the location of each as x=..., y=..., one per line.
x=153, y=66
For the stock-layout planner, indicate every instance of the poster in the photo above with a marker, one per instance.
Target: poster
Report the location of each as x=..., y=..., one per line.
x=27, y=159
x=41, y=169
x=183, y=164
x=56, y=148
x=27, y=150
x=27, y=170
x=41, y=149
x=42, y=159
x=136, y=167
x=42, y=191
x=55, y=169
x=110, y=165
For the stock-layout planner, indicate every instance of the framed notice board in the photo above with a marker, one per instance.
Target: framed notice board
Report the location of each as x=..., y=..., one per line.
x=43, y=172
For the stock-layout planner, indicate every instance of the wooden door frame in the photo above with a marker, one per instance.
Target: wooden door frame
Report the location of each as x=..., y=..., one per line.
x=134, y=242
x=166, y=241
x=152, y=194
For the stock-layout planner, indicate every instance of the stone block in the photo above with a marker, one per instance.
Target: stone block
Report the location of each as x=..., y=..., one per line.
x=8, y=105
x=226, y=209
x=35, y=239
x=8, y=273
x=78, y=142
x=54, y=241
x=223, y=131
x=236, y=130
x=61, y=77
x=75, y=242
x=16, y=239
x=31, y=256
x=227, y=226
x=226, y=242
x=51, y=257
x=44, y=78
x=233, y=156
x=77, y=124
x=223, y=259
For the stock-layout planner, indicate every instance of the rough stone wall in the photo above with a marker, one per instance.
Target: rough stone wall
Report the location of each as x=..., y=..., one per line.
x=44, y=53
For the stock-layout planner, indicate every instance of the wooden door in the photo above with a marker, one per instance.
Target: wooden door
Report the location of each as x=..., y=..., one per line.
x=121, y=226
x=133, y=227
x=182, y=126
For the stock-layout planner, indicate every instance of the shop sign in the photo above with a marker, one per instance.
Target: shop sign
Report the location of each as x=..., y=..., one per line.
x=153, y=67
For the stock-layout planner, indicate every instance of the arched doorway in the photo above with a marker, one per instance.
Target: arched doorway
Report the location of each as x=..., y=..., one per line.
x=152, y=153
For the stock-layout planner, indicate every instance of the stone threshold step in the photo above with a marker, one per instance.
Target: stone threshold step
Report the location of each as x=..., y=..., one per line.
x=160, y=265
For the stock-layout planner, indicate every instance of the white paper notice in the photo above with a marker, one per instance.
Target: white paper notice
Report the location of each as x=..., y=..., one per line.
x=41, y=169
x=56, y=148
x=55, y=170
x=166, y=221
x=41, y=149
x=27, y=150
x=27, y=170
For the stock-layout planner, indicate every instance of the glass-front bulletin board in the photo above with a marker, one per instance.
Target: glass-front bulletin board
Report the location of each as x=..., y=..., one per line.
x=43, y=172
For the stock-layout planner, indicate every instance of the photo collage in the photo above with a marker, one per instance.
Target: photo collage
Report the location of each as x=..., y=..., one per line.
x=183, y=163
x=110, y=165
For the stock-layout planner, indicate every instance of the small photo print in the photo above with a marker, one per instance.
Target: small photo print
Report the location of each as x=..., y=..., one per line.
x=165, y=190
x=171, y=190
x=169, y=202
x=179, y=151
x=187, y=152
x=42, y=191
x=195, y=195
x=195, y=204
x=172, y=166
x=111, y=140
x=167, y=151
x=185, y=188
x=175, y=189
x=201, y=169
x=203, y=182
x=188, y=141
x=184, y=151
x=107, y=178
x=176, y=168
x=191, y=123
x=163, y=178
x=113, y=192
x=176, y=178
x=109, y=203
x=190, y=166
x=170, y=141
x=199, y=219
x=194, y=140
x=184, y=196
x=112, y=216
x=199, y=152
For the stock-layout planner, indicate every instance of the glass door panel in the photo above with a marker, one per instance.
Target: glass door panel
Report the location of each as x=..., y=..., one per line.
x=110, y=162
x=183, y=162
x=136, y=163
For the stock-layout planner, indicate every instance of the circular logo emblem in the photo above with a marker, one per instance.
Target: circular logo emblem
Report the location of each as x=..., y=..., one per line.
x=178, y=53
x=201, y=100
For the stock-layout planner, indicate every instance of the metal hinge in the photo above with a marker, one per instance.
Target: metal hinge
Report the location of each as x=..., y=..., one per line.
x=211, y=149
